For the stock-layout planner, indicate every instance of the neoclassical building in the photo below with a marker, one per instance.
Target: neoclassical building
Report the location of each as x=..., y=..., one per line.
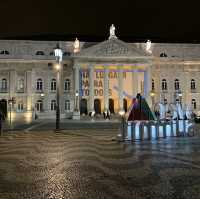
x=96, y=76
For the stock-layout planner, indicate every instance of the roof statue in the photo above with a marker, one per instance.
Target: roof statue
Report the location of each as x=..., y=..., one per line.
x=76, y=46
x=112, y=32
x=148, y=46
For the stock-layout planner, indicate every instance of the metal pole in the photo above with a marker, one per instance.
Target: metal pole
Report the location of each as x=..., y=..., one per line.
x=76, y=102
x=123, y=127
x=58, y=100
x=1, y=125
x=10, y=115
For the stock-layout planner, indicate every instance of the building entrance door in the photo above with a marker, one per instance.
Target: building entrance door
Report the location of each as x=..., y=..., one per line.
x=111, y=106
x=97, y=106
x=3, y=107
x=83, y=107
x=125, y=104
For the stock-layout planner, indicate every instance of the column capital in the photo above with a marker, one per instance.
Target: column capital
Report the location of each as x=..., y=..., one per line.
x=76, y=66
x=91, y=68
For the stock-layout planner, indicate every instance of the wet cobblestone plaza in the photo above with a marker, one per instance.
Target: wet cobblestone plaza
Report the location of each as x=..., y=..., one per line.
x=92, y=164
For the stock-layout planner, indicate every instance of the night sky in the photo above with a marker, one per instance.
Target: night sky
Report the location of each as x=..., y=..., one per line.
x=163, y=21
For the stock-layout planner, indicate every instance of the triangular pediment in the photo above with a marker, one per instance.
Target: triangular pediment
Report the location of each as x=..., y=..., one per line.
x=112, y=48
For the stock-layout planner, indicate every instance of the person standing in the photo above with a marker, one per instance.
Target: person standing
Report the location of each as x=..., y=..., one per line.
x=1, y=122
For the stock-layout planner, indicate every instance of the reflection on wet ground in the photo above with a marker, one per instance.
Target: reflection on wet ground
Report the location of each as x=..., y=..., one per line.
x=91, y=164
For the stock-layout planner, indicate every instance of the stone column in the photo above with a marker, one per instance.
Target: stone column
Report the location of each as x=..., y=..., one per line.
x=106, y=89
x=147, y=84
x=46, y=88
x=12, y=87
x=12, y=83
x=120, y=86
x=33, y=84
x=76, y=113
x=134, y=83
x=29, y=90
x=91, y=89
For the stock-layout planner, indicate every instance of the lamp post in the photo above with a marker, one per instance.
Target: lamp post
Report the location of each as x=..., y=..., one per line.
x=152, y=94
x=180, y=96
x=58, y=54
x=76, y=102
x=42, y=97
x=11, y=101
x=10, y=104
x=122, y=114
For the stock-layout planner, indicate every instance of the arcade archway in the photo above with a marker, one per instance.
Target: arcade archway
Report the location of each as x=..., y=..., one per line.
x=83, y=107
x=125, y=104
x=97, y=106
x=3, y=107
x=111, y=105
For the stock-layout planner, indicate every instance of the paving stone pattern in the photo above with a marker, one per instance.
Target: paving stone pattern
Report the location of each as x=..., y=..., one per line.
x=91, y=164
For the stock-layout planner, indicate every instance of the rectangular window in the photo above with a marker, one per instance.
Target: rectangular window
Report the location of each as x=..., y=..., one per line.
x=20, y=107
x=67, y=105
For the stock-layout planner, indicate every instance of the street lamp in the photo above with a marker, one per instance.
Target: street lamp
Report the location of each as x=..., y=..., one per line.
x=58, y=54
x=76, y=103
x=42, y=97
x=11, y=101
x=122, y=114
x=152, y=94
x=10, y=104
x=180, y=97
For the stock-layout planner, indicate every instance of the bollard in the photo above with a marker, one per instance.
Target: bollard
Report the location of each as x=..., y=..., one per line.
x=177, y=128
x=157, y=130
x=149, y=131
x=164, y=130
x=141, y=131
x=184, y=127
x=132, y=131
x=171, y=125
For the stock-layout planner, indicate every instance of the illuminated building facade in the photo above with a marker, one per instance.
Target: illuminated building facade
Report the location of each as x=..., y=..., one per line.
x=106, y=75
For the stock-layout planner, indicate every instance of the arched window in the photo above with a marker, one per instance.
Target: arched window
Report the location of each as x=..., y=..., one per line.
x=4, y=52
x=20, y=84
x=67, y=85
x=66, y=53
x=177, y=100
x=53, y=85
x=39, y=105
x=164, y=84
x=194, y=104
x=176, y=84
x=153, y=85
x=53, y=105
x=165, y=101
x=193, y=86
x=4, y=84
x=39, y=52
x=39, y=84
x=163, y=54
x=67, y=105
